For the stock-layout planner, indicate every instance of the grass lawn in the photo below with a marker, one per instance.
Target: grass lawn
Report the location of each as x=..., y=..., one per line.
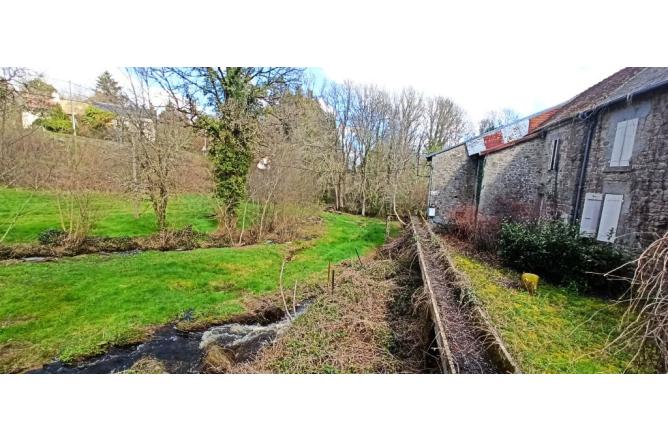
x=556, y=331
x=114, y=214
x=77, y=306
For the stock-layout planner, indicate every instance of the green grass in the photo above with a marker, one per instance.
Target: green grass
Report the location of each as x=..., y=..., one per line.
x=556, y=331
x=114, y=215
x=77, y=306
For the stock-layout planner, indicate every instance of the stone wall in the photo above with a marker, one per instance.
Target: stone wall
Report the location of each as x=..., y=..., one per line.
x=561, y=182
x=517, y=181
x=453, y=178
x=511, y=180
x=644, y=183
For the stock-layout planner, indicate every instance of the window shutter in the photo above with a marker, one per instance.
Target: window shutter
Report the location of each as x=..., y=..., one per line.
x=591, y=213
x=629, y=140
x=619, y=144
x=612, y=207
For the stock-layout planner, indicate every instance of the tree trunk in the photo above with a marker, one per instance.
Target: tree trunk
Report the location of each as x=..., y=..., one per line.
x=363, y=196
x=160, y=206
x=337, y=206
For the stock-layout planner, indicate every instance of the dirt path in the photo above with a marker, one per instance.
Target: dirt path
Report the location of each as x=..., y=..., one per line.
x=465, y=340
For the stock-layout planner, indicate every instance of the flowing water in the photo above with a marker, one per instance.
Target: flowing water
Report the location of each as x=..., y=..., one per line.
x=182, y=352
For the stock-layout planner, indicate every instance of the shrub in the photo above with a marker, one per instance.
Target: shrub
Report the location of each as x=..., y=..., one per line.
x=462, y=223
x=169, y=239
x=556, y=251
x=51, y=237
x=483, y=232
x=96, y=121
x=487, y=233
x=56, y=120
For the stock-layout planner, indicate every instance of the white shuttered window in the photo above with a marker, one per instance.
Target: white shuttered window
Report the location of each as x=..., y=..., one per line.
x=612, y=207
x=622, y=148
x=591, y=213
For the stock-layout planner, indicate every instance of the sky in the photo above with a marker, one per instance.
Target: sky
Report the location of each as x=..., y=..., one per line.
x=526, y=89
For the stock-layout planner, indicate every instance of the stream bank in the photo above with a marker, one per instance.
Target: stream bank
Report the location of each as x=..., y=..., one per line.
x=373, y=320
x=176, y=351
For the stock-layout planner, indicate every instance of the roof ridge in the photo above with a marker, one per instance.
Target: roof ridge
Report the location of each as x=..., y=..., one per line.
x=631, y=77
x=597, y=90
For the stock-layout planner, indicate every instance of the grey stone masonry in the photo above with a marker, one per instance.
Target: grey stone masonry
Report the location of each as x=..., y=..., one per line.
x=644, y=182
x=453, y=180
x=511, y=181
x=524, y=178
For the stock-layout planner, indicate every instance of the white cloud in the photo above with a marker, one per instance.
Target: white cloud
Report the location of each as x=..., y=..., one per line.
x=478, y=89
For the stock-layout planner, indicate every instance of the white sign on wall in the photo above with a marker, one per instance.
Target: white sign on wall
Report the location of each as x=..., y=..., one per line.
x=515, y=131
x=475, y=146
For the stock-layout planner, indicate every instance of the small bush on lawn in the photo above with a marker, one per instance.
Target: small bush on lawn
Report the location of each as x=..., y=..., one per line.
x=556, y=251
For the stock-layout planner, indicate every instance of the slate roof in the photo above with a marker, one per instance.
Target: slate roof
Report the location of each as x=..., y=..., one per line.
x=621, y=84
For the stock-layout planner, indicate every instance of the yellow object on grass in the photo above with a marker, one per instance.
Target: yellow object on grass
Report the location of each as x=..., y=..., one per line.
x=530, y=282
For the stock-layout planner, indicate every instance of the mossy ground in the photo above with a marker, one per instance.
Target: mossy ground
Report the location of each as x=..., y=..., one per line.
x=555, y=331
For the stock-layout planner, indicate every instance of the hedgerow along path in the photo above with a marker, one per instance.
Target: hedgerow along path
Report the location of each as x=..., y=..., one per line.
x=80, y=306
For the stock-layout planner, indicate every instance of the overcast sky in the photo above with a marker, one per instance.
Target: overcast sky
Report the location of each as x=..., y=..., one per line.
x=525, y=89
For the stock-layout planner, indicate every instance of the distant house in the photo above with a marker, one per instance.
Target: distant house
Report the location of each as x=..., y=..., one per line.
x=36, y=105
x=599, y=161
x=70, y=107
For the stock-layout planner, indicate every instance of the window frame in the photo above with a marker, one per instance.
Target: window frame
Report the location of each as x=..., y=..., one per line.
x=554, y=157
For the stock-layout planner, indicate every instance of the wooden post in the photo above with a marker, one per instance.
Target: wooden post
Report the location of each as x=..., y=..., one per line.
x=332, y=281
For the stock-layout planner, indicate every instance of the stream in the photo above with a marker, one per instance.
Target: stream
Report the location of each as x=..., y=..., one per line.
x=180, y=351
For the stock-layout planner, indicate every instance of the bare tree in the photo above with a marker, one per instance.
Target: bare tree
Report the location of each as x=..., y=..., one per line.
x=12, y=82
x=295, y=140
x=338, y=100
x=370, y=125
x=159, y=139
x=497, y=118
x=445, y=124
x=376, y=165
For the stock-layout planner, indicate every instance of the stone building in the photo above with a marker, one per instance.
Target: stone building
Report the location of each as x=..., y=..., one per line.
x=598, y=161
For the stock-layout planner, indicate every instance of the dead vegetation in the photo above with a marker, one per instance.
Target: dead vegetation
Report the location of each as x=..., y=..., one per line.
x=467, y=339
x=146, y=365
x=645, y=322
x=373, y=321
x=217, y=360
